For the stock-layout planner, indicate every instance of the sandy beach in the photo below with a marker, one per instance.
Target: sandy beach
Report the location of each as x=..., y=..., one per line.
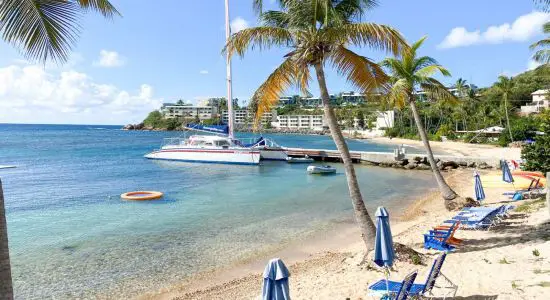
x=456, y=148
x=500, y=263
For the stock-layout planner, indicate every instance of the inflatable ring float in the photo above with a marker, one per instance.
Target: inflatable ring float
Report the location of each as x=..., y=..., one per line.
x=141, y=195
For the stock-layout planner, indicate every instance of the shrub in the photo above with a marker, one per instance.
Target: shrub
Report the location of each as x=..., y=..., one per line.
x=537, y=155
x=154, y=119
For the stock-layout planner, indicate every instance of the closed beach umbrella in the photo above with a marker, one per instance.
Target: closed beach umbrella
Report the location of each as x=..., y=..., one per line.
x=478, y=187
x=383, y=243
x=276, y=281
x=506, y=174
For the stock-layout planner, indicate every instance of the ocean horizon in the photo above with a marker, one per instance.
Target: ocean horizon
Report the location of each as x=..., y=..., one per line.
x=71, y=236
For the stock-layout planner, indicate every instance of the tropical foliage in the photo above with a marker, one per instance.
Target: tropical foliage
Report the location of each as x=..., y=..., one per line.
x=537, y=155
x=543, y=53
x=319, y=33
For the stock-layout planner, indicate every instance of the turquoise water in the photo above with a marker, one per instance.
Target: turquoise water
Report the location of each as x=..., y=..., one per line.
x=71, y=236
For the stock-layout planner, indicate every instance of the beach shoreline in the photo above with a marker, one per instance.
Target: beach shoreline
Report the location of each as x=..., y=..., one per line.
x=324, y=247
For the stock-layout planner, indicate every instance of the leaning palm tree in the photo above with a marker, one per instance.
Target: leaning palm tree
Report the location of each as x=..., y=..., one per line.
x=319, y=32
x=505, y=85
x=42, y=30
x=542, y=55
x=410, y=72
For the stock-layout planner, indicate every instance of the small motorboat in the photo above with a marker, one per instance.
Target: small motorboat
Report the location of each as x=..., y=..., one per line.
x=321, y=170
x=299, y=160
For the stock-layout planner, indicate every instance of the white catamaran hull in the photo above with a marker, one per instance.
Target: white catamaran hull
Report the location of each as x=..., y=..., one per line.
x=224, y=156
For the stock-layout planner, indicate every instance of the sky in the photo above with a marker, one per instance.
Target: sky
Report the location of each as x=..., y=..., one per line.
x=167, y=50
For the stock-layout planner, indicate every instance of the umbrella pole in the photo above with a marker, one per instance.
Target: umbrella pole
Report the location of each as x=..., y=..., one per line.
x=387, y=271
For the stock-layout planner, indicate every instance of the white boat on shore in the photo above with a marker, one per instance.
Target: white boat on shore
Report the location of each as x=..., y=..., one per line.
x=299, y=160
x=206, y=149
x=321, y=170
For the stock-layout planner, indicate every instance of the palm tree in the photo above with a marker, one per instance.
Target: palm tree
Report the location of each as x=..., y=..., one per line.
x=410, y=72
x=319, y=32
x=505, y=85
x=42, y=30
x=461, y=87
x=542, y=55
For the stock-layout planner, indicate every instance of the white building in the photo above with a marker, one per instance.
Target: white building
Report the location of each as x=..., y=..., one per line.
x=244, y=116
x=352, y=98
x=539, y=103
x=314, y=122
x=170, y=110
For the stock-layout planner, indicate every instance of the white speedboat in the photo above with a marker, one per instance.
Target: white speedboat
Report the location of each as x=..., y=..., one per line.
x=206, y=149
x=321, y=170
x=299, y=160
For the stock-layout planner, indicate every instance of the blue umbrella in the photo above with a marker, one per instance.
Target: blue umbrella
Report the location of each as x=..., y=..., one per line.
x=478, y=187
x=276, y=281
x=506, y=174
x=383, y=243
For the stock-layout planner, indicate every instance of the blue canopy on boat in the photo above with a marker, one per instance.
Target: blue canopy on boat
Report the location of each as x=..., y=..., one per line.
x=220, y=129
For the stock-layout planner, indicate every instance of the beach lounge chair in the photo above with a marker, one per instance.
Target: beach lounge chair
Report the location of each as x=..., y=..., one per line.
x=439, y=239
x=534, y=188
x=451, y=240
x=397, y=290
x=419, y=289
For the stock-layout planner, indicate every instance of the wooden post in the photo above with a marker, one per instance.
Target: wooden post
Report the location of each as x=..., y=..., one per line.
x=6, y=288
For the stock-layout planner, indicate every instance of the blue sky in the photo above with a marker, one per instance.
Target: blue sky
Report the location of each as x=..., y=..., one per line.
x=122, y=69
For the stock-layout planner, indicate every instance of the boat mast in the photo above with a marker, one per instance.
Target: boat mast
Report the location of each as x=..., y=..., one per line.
x=228, y=64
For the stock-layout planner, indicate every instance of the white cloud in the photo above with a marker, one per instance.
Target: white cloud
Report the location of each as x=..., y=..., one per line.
x=238, y=24
x=30, y=94
x=522, y=29
x=110, y=59
x=203, y=72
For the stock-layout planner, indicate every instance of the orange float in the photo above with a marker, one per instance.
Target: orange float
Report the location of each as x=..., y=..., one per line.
x=142, y=195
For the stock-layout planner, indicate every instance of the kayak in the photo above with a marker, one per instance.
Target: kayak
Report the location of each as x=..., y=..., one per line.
x=299, y=160
x=527, y=173
x=520, y=181
x=321, y=170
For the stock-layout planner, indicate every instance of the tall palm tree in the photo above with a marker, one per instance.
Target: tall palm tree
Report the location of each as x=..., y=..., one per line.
x=505, y=85
x=461, y=86
x=410, y=72
x=542, y=55
x=319, y=32
x=42, y=30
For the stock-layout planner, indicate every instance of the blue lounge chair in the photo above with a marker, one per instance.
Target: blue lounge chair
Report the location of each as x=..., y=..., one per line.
x=418, y=289
x=437, y=239
x=399, y=290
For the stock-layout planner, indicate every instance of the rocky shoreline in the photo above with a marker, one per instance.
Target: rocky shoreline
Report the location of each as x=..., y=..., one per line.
x=141, y=126
x=421, y=163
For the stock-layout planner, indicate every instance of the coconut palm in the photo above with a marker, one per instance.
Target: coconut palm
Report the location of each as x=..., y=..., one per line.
x=319, y=32
x=505, y=85
x=42, y=30
x=542, y=55
x=410, y=72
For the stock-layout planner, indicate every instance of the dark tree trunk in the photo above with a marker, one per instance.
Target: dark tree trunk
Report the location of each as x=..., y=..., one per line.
x=446, y=192
x=368, y=230
x=6, y=288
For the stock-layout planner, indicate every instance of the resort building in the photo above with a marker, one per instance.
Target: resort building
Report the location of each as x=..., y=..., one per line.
x=171, y=110
x=217, y=102
x=352, y=98
x=244, y=116
x=314, y=122
x=539, y=103
x=287, y=100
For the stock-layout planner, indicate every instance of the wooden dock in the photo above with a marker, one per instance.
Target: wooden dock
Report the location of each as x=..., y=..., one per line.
x=322, y=154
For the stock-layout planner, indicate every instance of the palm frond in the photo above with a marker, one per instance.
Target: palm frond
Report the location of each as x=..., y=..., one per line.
x=262, y=37
x=103, y=6
x=542, y=56
x=418, y=44
x=398, y=95
x=379, y=37
x=424, y=61
x=359, y=70
x=275, y=18
x=541, y=43
x=41, y=29
x=429, y=71
x=349, y=9
x=436, y=90
x=396, y=67
x=267, y=95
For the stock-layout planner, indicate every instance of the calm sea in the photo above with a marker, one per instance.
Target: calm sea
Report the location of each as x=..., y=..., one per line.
x=71, y=236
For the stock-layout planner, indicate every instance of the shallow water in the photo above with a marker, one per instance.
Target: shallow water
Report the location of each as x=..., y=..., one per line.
x=72, y=236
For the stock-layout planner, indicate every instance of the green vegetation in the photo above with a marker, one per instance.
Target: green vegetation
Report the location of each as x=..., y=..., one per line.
x=503, y=261
x=531, y=206
x=537, y=155
x=536, y=253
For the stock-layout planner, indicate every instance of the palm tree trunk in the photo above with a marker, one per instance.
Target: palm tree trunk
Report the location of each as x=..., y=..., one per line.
x=507, y=118
x=446, y=191
x=6, y=289
x=368, y=230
